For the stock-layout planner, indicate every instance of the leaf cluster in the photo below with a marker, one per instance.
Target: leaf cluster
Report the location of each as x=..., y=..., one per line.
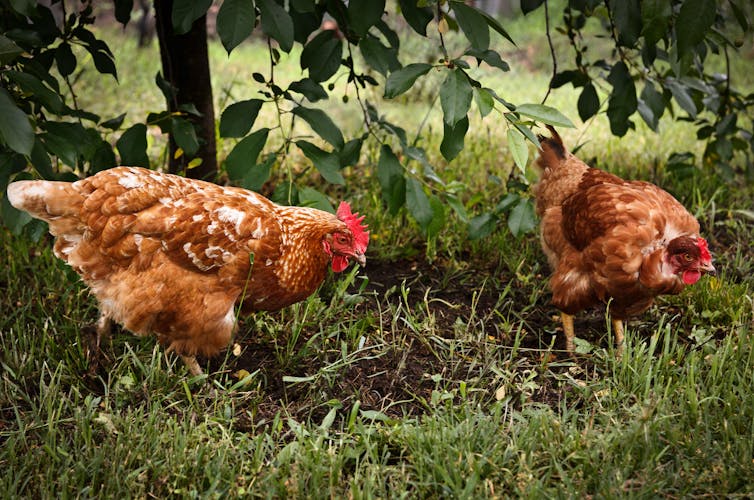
x=662, y=62
x=660, y=47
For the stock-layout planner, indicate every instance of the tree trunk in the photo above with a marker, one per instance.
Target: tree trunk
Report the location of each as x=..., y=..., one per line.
x=185, y=65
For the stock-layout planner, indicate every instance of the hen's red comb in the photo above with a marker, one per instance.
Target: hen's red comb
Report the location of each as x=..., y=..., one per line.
x=354, y=223
x=702, y=244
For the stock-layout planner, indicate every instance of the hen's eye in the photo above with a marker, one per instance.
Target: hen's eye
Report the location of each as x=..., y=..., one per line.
x=687, y=257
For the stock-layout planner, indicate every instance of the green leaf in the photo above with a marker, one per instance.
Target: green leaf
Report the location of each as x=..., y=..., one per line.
x=391, y=37
x=103, y=158
x=239, y=117
x=392, y=180
x=321, y=123
x=8, y=50
x=24, y=7
x=518, y=148
x=576, y=78
x=276, y=23
x=310, y=89
x=103, y=60
x=507, y=203
x=326, y=163
x=64, y=141
x=651, y=106
x=64, y=59
x=244, y=155
x=132, y=146
x=522, y=218
x=15, y=129
x=123, y=10
x=114, y=123
x=401, y=80
x=257, y=175
x=523, y=128
x=41, y=160
x=740, y=16
x=455, y=96
x=40, y=92
x=184, y=135
x=682, y=97
x=418, y=204
x=530, y=5
x=438, y=217
x=694, y=20
x=472, y=24
x=310, y=197
x=350, y=152
x=480, y=226
x=484, y=101
x=492, y=23
x=655, y=17
x=167, y=89
x=622, y=102
x=322, y=55
x=185, y=12
x=10, y=164
x=588, y=103
x=457, y=206
x=363, y=14
x=545, y=114
x=379, y=57
x=416, y=17
x=628, y=21
x=235, y=22
x=490, y=57
x=452, y=139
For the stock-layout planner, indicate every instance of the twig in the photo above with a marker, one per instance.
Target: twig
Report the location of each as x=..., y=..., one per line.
x=362, y=105
x=552, y=51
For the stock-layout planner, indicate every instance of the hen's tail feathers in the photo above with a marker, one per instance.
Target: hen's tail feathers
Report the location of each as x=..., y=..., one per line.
x=552, y=152
x=56, y=203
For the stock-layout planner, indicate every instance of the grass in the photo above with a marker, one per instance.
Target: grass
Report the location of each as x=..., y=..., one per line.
x=436, y=371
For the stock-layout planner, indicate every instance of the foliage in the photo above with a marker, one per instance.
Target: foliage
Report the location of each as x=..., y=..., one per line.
x=663, y=60
x=664, y=47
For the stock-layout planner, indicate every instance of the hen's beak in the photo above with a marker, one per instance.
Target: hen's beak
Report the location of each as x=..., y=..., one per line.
x=360, y=258
x=708, y=269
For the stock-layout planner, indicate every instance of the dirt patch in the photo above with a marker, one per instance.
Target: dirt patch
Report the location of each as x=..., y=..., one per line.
x=398, y=380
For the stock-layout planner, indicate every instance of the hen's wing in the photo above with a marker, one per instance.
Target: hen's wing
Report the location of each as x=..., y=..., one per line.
x=638, y=213
x=133, y=214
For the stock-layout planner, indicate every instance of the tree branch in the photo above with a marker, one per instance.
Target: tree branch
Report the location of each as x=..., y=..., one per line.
x=552, y=51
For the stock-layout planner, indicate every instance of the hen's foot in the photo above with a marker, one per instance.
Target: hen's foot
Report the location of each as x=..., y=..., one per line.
x=94, y=355
x=619, y=333
x=567, y=320
x=192, y=365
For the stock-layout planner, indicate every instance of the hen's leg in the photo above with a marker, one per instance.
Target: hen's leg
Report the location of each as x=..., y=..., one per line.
x=103, y=329
x=618, y=332
x=192, y=364
x=567, y=320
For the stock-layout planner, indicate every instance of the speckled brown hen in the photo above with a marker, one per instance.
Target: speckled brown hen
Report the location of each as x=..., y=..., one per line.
x=173, y=256
x=611, y=240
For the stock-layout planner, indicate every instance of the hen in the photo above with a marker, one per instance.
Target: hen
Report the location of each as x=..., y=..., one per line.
x=612, y=241
x=172, y=256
